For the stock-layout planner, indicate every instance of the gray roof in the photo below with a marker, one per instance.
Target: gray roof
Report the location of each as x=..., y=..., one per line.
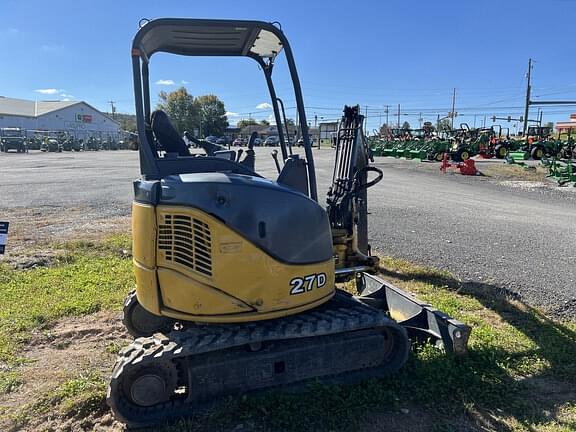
x=28, y=108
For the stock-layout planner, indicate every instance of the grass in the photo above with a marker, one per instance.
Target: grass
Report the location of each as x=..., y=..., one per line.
x=520, y=374
x=89, y=277
x=514, y=172
x=77, y=397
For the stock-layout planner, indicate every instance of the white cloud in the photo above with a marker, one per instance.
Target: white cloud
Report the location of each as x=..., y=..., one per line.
x=184, y=82
x=264, y=106
x=65, y=95
x=48, y=91
x=52, y=48
x=232, y=114
x=9, y=32
x=165, y=82
x=65, y=100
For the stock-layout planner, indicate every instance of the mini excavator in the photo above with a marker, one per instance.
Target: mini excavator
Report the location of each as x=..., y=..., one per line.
x=236, y=274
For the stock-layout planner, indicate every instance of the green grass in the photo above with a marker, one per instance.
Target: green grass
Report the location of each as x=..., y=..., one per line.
x=89, y=277
x=77, y=397
x=517, y=356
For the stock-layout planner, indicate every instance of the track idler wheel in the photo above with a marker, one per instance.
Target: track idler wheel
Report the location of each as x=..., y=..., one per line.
x=141, y=323
x=150, y=385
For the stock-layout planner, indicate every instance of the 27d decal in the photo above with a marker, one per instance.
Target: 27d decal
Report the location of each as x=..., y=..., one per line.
x=307, y=283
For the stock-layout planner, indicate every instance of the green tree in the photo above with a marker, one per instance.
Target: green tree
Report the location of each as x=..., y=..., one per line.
x=385, y=130
x=264, y=122
x=444, y=125
x=181, y=108
x=246, y=122
x=406, y=125
x=212, y=115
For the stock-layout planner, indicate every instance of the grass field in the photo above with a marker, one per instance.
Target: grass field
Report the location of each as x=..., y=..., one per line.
x=520, y=374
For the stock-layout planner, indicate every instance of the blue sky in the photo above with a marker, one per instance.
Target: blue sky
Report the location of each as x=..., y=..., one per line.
x=372, y=53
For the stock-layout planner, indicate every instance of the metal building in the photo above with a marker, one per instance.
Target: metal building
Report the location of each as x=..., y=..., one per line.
x=75, y=117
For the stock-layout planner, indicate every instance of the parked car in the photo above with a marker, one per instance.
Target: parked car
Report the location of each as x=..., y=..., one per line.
x=301, y=142
x=240, y=142
x=272, y=141
x=211, y=138
x=13, y=139
x=258, y=142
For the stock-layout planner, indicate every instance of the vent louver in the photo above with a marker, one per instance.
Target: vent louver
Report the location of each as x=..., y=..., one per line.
x=186, y=241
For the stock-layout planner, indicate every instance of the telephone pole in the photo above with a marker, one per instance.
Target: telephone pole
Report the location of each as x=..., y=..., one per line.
x=398, y=116
x=452, y=113
x=528, y=90
x=387, y=110
x=113, y=108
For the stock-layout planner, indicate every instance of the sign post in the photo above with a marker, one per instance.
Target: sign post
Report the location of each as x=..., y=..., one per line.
x=3, y=236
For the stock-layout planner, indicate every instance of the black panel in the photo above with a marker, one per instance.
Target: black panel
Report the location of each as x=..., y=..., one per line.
x=286, y=224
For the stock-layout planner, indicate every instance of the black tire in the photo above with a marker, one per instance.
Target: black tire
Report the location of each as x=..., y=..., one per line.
x=537, y=153
x=141, y=323
x=500, y=151
x=462, y=154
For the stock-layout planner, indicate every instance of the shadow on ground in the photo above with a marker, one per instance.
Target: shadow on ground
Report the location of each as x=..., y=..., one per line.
x=490, y=384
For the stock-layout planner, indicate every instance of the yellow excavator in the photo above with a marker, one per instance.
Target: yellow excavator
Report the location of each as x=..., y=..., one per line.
x=236, y=274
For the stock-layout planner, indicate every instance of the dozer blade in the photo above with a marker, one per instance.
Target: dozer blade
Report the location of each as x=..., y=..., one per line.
x=421, y=321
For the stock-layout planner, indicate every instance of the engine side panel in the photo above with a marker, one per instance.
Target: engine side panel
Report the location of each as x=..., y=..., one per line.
x=205, y=271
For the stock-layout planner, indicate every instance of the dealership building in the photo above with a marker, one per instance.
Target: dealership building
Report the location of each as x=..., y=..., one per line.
x=76, y=117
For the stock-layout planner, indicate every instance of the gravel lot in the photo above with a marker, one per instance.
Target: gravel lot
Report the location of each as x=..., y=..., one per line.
x=515, y=235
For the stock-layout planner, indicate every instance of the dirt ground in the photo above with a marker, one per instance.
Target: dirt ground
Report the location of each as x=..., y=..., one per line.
x=61, y=352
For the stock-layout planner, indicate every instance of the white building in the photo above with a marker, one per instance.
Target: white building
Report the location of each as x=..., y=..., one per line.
x=76, y=117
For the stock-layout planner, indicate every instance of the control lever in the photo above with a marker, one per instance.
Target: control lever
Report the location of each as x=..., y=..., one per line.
x=239, y=155
x=275, y=157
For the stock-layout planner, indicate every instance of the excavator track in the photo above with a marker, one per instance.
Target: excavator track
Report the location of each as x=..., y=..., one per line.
x=161, y=378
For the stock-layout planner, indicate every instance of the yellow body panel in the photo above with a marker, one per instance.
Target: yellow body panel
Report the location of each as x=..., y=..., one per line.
x=205, y=271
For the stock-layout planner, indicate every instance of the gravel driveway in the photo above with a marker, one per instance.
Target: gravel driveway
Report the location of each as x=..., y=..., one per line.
x=515, y=235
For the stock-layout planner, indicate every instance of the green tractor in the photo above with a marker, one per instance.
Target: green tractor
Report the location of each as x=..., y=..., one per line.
x=92, y=144
x=51, y=144
x=34, y=142
x=463, y=147
x=13, y=139
x=70, y=143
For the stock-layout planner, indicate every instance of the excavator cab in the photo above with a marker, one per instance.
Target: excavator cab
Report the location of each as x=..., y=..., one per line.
x=214, y=241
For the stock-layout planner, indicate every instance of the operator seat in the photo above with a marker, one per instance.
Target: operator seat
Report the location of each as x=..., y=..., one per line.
x=165, y=133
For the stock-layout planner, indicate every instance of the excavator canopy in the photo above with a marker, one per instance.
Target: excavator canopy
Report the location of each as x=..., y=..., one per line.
x=193, y=37
x=258, y=40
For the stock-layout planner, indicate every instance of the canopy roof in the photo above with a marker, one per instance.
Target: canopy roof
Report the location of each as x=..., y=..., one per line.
x=199, y=37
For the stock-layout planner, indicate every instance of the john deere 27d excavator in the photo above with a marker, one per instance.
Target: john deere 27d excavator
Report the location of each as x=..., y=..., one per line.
x=236, y=274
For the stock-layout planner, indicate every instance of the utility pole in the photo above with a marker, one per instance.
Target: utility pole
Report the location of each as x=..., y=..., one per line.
x=452, y=113
x=528, y=90
x=113, y=108
x=398, y=116
x=365, y=117
x=387, y=110
x=420, y=120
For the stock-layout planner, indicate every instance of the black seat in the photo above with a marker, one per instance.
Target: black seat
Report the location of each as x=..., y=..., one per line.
x=166, y=134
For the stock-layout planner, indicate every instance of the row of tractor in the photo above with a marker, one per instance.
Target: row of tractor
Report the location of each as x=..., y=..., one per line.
x=465, y=142
x=21, y=141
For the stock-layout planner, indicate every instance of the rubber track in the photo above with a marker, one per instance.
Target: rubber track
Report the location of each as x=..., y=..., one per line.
x=341, y=314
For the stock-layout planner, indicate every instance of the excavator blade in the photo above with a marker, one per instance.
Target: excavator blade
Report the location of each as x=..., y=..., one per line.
x=421, y=321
